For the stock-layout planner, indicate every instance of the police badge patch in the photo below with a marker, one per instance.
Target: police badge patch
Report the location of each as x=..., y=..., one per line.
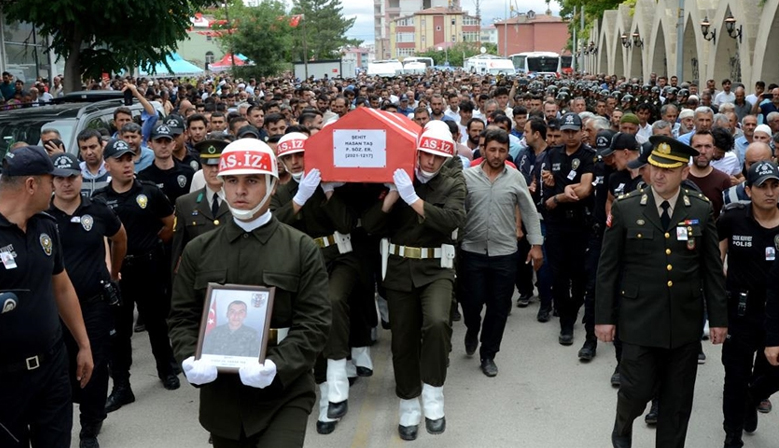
x=142, y=200
x=575, y=164
x=46, y=243
x=86, y=222
x=776, y=242
x=194, y=165
x=182, y=180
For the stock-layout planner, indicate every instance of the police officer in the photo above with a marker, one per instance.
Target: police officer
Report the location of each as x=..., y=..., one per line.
x=148, y=219
x=418, y=258
x=749, y=237
x=204, y=210
x=83, y=224
x=658, y=262
x=568, y=223
x=170, y=175
x=603, y=171
x=180, y=151
x=318, y=209
x=35, y=292
x=265, y=404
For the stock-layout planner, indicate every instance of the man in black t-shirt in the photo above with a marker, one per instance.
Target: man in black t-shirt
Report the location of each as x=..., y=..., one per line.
x=148, y=219
x=749, y=237
x=83, y=224
x=170, y=175
x=567, y=191
x=35, y=293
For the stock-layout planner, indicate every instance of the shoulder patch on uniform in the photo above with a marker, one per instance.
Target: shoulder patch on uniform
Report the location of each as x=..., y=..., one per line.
x=700, y=197
x=733, y=206
x=622, y=197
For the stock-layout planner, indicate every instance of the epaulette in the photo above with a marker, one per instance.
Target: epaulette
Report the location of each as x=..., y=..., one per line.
x=628, y=195
x=696, y=195
x=733, y=206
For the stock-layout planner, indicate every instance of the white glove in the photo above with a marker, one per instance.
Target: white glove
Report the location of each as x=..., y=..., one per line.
x=330, y=186
x=307, y=187
x=405, y=186
x=258, y=375
x=199, y=371
x=391, y=187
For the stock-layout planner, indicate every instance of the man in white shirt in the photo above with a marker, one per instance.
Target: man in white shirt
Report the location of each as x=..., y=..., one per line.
x=644, y=112
x=724, y=158
x=726, y=95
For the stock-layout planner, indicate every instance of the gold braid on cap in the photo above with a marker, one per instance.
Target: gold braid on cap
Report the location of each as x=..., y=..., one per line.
x=653, y=161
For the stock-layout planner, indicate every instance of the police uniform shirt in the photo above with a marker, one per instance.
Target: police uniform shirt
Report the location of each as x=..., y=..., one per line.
x=621, y=182
x=191, y=161
x=82, y=243
x=174, y=182
x=29, y=319
x=752, y=250
x=568, y=170
x=141, y=209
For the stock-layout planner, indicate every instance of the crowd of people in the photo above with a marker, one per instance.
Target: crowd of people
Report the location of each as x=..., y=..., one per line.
x=620, y=197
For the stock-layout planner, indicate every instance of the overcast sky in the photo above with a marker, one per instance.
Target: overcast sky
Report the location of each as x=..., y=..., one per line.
x=490, y=10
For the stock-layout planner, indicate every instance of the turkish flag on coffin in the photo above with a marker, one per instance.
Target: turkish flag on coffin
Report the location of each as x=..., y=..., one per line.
x=366, y=145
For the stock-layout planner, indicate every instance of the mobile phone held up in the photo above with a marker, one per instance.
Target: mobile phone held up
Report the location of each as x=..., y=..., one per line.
x=128, y=97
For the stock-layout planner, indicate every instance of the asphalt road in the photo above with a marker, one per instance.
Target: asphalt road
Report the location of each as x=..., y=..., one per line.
x=542, y=397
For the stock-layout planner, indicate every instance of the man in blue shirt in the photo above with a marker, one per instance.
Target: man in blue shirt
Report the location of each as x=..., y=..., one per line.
x=704, y=118
x=763, y=108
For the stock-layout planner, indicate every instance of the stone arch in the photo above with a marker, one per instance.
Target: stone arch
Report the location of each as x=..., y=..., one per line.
x=725, y=58
x=642, y=22
x=662, y=56
x=766, y=65
x=607, y=47
x=693, y=54
x=620, y=52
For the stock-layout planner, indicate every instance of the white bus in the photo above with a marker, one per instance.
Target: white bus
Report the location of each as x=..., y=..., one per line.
x=387, y=68
x=427, y=61
x=489, y=64
x=537, y=63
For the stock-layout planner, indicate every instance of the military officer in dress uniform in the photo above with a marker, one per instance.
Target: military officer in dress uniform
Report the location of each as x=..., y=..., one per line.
x=418, y=258
x=265, y=404
x=203, y=210
x=318, y=209
x=660, y=261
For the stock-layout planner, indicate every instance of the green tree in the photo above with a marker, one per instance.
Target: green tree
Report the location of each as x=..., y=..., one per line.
x=456, y=53
x=262, y=34
x=323, y=29
x=96, y=36
x=593, y=12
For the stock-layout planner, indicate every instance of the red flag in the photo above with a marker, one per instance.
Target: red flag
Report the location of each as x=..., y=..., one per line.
x=294, y=21
x=211, y=323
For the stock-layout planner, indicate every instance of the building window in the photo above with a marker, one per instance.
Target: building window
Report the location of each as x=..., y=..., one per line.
x=408, y=21
x=471, y=36
x=209, y=57
x=470, y=21
x=209, y=38
x=403, y=52
x=404, y=37
x=438, y=28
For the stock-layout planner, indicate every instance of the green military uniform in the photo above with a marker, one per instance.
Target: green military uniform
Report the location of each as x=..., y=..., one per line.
x=193, y=215
x=320, y=218
x=419, y=291
x=652, y=283
x=272, y=255
x=244, y=341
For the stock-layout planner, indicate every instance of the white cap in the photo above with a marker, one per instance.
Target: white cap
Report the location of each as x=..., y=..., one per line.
x=248, y=156
x=437, y=141
x=764, y=128
x=291, y=143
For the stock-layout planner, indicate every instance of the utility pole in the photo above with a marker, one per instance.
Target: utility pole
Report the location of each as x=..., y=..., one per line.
x=574, y=62
x=506, y=32
x=305, y=46
x=680, y=43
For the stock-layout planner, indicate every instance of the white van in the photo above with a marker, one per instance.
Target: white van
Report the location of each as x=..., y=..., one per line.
x=387, y=68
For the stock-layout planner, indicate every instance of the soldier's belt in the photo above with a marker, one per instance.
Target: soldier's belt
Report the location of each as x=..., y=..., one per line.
x=325, y=241
x=419, y=253
x=276, y=335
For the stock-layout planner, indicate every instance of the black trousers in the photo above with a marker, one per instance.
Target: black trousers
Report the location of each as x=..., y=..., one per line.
x=487, y=281
x=143, y=282
x=99, y=322
x=35, y=405
x=287, y=429
x=744, y=360
x=524, y=275
x=669, y=372
x=566, y=247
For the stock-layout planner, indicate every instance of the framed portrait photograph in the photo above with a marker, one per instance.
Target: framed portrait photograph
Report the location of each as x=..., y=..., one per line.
x=235, y=326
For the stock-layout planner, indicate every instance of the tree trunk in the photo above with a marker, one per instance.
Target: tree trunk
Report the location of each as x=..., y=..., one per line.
x=72, y=81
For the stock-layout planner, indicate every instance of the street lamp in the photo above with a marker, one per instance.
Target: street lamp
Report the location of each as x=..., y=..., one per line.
x=708, y=35
x=625, y=41
x=637, y=41
x=730, y=26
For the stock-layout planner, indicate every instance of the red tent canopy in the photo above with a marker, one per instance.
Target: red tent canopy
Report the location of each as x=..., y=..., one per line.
x=227, y=61
x=366, y=145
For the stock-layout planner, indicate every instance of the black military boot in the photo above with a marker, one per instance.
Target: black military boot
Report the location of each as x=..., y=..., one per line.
x=120, y=396
x=733, y=438
x=651, y=416
x=588, y=350
x=88, y=435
